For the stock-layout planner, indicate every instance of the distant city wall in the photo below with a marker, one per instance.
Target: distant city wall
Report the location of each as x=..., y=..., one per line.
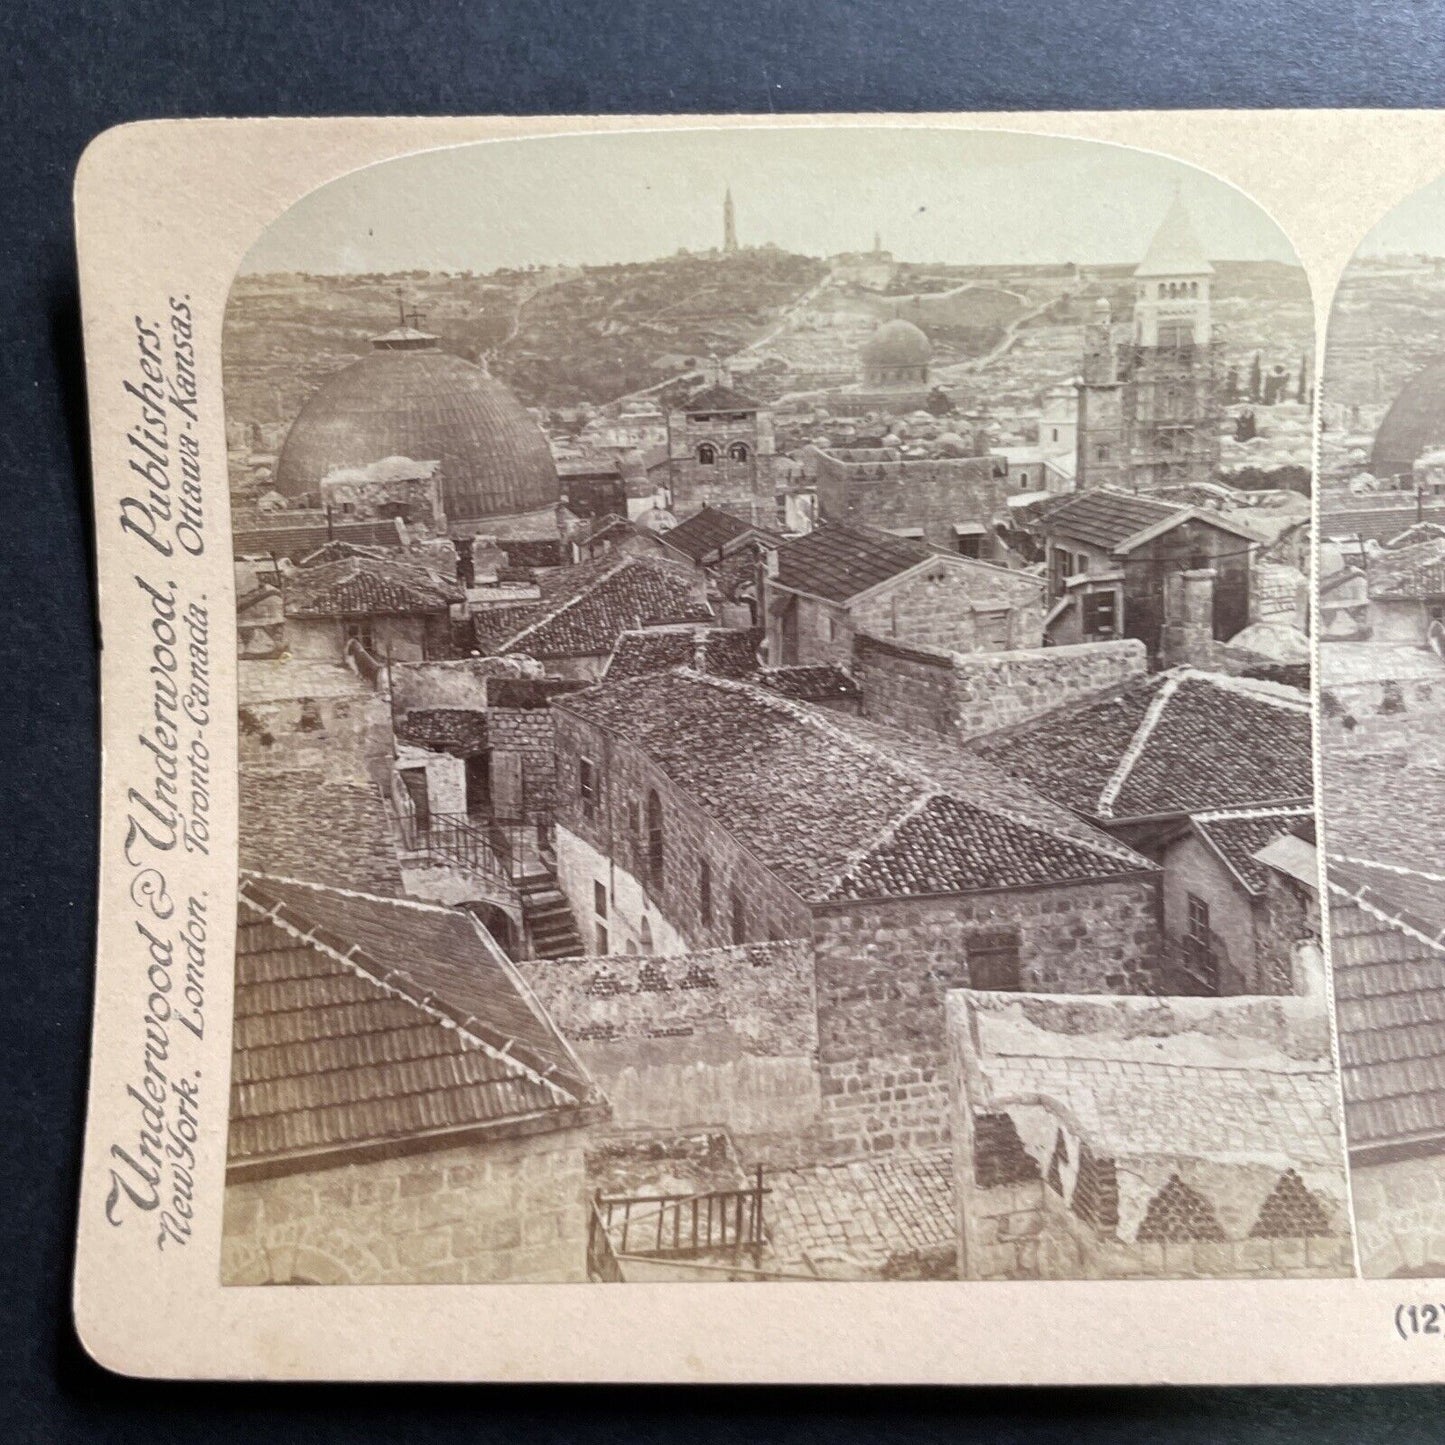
x=936, y=693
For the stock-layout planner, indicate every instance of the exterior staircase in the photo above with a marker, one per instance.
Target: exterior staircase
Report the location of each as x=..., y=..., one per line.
x=547, y=916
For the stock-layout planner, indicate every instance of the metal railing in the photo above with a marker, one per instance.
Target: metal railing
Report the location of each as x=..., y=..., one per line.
x=602, y=1263
x=659, y=1226
x=456, y=840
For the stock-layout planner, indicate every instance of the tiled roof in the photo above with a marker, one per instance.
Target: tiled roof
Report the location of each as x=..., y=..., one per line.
x=707, y=532
x=546, y=552
x=1178, y=742
x=718, y=397
x=584, y=609
x=837, y=562
x=299, y=823
x=365, y=1022
x=1385, y=806
x=295, y=540
x=334, y=551
x=367, y=586
x=1106, y=518
x=721, y=651
x=444, y=730
x=841, y=808
x=1376, y=524
x=1408, y=574
x=888, y=1217
x=1387, y=946
x=819, y=682
x=1237, y=834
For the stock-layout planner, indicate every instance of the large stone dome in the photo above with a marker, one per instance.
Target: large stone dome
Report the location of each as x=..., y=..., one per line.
x=1413, y=424
x=897, y=343
x=408, y=398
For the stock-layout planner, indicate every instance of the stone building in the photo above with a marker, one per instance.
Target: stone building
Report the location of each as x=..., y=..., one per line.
x=1406, y=587
x=721, y=454
x=696, y=812
x=398, y=487
x=1156, y=760
x=409, y=398
x=1146, y=1138
x=290, y=536
x=1110, y=556
x=1148, y=409
x=402, y=1112
x=895, y=358
x=574, y=625
x=951, y=502
x=823, y=589
x=390, y=608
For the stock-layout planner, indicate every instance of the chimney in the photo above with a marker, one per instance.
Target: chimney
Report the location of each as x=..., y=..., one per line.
x=1188, y=633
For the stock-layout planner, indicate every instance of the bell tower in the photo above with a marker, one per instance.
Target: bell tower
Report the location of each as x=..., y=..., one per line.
x=1101, y=443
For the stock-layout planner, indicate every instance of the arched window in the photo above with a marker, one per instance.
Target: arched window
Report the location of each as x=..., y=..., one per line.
x=654, y=839
x=1163, y=289
x=706, y=455
x=704, y=892
x=738, y=452
x=644, y=938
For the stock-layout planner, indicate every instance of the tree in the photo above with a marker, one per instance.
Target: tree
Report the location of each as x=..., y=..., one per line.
x=1231, y=385
x=1245, y=427
x=938, y=402
x=1256, y=378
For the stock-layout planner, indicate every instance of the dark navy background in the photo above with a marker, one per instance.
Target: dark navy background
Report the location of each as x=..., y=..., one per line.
x=69, y=71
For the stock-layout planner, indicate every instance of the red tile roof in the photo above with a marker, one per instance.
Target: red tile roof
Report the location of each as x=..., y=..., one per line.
x=837, y=561
x=707, y=533
x=816, y=682
x=721, y=651
x=1105, y=518
x=1387, y=932
x=461, y=731
x=370, y=1023
x=1179, y=742
x=297, y=539
x=841, y=808
x=584, y=609
x=367, y=586
x=1376, y=524
x=718, y=397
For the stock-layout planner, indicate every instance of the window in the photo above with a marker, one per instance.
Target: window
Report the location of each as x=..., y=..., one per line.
x=969, y=546
x=707, y=455
x=993, y=959
x=739, y=920
x=587, y=787
x=599, y=899
x=361, y=632
x=827, y=626
x=1081, y=565
x=1055, y=434
x=1198, y=948
x=644, y=939
x=738, y=452
x=654, y=839
x=602, y=943
x=1101, y=452
x=704, y=892
x=1100, y=614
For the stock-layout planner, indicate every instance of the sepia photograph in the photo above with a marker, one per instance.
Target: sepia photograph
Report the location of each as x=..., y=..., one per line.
x=1382, y=727
x=775, y=731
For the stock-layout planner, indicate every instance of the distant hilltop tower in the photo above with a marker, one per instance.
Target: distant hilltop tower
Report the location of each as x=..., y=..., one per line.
x=730, y=225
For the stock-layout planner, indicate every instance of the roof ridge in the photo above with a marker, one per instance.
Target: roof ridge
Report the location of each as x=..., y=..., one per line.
x=1363, y=899
x=1109, y=794
x=1243, y=811
x=614, y=566
x=902, y=768
x=255, y=875
x=356, y=960
x=1350, y=860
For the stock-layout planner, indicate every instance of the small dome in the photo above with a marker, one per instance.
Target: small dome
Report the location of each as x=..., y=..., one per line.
x=409, y=398
x=897, y=343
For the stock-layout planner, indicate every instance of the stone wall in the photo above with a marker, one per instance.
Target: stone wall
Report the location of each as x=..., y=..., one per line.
x=337, y=736
x=1046, y=1190
x=723, y=1037
x=616, y=854
x=939, y=693
x=505, y=1210
x=1400, y=1217
x=897, y=495
x=884, y=968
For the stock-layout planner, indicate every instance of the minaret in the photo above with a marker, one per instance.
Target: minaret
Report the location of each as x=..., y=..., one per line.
x=730, y=227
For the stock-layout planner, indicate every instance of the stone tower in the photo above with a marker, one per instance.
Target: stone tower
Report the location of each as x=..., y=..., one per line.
x=721, y=453
x=730, y=226
x=1172, y=402
x=1101, y=442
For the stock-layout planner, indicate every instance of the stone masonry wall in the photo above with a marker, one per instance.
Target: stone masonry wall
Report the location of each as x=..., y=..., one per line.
x=942, y=609
x=933, y=495
x=1385, y=714
x=617, y=832
x=719, y=1037
x=1400, y=1216
x=884, y=970
x=938, y=693
x=507, y=1210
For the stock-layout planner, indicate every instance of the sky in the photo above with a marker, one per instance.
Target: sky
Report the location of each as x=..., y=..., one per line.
x=1416, y=225
x=958, y=197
